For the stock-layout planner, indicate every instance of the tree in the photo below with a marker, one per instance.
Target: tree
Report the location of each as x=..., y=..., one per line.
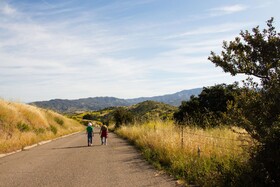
x=188, y=112
x=89, y=117
x=122, y=116
x=257, y=54
x=206, y=110
x=215, y=98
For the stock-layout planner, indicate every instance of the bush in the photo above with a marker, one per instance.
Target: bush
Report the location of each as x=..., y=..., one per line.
x=23, y=127
x=122, y=116
x=59, y=121
x=53, y=129
x=89, y=117
x=39, y=131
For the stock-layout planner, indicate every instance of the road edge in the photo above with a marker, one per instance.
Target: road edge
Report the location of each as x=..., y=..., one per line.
x=36, y=144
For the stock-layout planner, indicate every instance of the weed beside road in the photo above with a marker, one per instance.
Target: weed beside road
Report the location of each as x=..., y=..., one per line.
x=205, y=157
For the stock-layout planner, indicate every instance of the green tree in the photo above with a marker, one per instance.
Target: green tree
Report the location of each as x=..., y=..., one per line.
x=122, y=116
x=207, y=109
x=189, y=112
x=257, y=54
x=215, y=98
x=89, y=117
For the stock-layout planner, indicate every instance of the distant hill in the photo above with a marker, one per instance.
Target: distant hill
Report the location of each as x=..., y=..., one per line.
x=99, y=103
x=171, y=99
x=86, y=104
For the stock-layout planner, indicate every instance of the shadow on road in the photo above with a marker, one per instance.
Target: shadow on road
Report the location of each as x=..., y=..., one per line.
x=73, y=147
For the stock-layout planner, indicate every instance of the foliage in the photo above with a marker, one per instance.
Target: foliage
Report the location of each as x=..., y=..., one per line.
x=215, y=98
x=23, y=127
x=89, y=117
x=206, y=110
x=122, y=116
x=257, y=54
x=151, y=110
x=39, y=131
x=258, y=108
x=141, y=112
x=59, y=121
x=53, y=129
x=221, y=161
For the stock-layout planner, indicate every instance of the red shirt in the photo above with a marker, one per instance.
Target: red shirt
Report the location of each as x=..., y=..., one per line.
x=104, y=131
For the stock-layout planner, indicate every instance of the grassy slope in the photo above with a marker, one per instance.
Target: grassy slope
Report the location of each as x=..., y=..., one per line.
x=218, y=163
x=22, y=125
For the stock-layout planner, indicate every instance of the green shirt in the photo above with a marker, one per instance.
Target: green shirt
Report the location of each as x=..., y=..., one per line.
x=89, y=129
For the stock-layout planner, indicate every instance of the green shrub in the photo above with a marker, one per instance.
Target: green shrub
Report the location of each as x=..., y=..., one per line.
x=39, y=131
x=23, y=127
x=122, y=116
x=53, y=129
x=90, y=117
x=59, y=121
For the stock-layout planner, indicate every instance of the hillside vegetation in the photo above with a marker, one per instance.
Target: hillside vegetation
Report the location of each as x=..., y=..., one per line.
x=22, y=125
x=204, y=157
x=149, y=110
x=141, y=112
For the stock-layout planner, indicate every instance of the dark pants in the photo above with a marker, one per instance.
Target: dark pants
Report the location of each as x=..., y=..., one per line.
x=89, y=138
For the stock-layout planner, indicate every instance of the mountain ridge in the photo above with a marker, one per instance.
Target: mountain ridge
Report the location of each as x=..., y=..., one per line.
x=99, y=103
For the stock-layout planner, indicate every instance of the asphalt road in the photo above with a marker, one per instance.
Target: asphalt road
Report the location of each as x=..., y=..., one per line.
x=70, y=162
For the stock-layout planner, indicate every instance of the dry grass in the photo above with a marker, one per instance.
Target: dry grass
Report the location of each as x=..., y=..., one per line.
x=165, y=135
x=22, y=125
x=204, y=154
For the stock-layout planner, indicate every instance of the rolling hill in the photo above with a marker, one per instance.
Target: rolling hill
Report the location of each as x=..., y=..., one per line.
x=140, y=112
x=148, y=110
x=99, y=103
x=171, y=99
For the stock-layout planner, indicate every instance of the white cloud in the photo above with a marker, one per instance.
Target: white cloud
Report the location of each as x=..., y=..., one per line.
x=228, y=9
x=7, y=10
x=211, y=29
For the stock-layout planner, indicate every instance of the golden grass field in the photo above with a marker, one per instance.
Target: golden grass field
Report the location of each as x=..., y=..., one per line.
x=22, y=125
x=205, y=154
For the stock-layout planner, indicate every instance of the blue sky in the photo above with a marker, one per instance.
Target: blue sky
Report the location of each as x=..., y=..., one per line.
x=73, y=49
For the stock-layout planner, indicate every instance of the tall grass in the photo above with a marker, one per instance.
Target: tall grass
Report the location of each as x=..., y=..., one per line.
x=211, y=157
x=22, y=125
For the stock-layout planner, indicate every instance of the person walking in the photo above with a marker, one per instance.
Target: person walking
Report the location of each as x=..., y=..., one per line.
x=89, y=133
x=103, y=134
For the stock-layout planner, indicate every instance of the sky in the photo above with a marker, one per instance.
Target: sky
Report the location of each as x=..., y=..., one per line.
x=70, y=49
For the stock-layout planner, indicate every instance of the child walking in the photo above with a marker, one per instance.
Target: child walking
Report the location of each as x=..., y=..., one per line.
x=89, y=134
x=103, y=134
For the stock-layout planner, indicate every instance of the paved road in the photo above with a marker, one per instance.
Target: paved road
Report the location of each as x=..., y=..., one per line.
x=70, y=162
